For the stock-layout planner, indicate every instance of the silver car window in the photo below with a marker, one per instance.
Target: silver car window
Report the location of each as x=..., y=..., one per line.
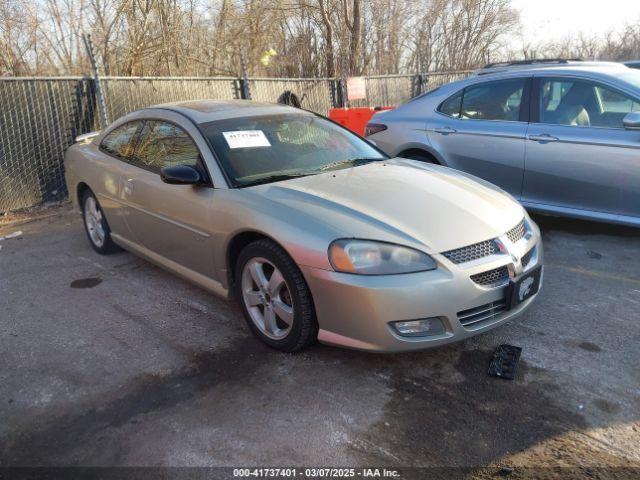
x=164, y=144
x=498, y=100
x=120, y=141
x=255, y=147
x=451, y=106
x=571, y=102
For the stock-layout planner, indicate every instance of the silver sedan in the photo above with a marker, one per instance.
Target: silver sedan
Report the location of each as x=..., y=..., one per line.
x=563, y=137
x=317, y=233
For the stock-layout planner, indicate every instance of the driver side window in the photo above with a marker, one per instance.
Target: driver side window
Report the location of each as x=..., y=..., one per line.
x=582, y=103
x=120, y=142
x=164, y=144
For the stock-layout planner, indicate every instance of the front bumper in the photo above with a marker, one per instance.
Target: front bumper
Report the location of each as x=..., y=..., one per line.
x=355, y=311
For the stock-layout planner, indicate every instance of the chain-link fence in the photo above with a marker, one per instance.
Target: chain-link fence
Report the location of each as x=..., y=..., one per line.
x=392, y=90
x=437, y=79
x=40, y=117
x=317, y=94
x=386, y=90
x=123, y=95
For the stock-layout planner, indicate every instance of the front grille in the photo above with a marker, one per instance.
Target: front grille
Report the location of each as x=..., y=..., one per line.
x=472, y=252
x=486, y=248
x=492, y=278
x=517, y=232
x=526, y=258
x=481, y=313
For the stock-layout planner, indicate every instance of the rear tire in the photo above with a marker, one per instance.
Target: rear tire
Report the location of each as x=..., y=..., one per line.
x=274, y=297
x=96, y=226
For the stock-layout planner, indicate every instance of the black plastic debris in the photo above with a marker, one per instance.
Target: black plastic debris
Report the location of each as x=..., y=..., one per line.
x=505, y=362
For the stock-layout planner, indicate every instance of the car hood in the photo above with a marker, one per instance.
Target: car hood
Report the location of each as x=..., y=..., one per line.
x=402, y=201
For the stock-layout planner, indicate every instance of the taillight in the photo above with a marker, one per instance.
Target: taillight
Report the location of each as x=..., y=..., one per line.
x=372, y=128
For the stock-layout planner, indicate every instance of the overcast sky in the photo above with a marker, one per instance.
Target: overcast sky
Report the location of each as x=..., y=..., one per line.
x=545, y=20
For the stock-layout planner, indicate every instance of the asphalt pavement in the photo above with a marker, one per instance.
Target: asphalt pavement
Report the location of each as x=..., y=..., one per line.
x=111, y=361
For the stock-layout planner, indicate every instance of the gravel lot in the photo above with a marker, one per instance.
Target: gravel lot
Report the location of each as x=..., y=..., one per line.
x=111, y=361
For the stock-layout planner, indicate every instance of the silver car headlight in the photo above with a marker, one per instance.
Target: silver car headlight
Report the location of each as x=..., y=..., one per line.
x=368, y=257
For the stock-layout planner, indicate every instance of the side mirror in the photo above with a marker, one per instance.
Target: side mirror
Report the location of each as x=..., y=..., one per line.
x=181, y=175
x=631, y=121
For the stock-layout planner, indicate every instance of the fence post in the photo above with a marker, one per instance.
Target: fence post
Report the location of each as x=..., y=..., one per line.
x=237, y=88
x=245, y=89
x=337, y=90
x=96, y=79
x=419, y=81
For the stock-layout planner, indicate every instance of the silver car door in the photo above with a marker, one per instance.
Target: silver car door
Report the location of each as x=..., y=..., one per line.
x=481, y=130
x=579, y=156
x=172, y=221
x=114, y=151
x=630, y=184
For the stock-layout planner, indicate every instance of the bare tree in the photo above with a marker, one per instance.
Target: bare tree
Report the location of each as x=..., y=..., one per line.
x=209, y=37
x=461, y=34
x=18, y=49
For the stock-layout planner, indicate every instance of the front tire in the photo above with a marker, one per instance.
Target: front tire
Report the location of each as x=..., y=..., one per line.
x=96, y=226
x=420, y=157
x=274, y=297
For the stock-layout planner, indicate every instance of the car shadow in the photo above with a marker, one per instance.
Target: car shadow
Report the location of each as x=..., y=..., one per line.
x=583, y=227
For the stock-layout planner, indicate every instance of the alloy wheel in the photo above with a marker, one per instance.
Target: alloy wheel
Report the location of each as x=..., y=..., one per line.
x=93, y=221
x=267, y=298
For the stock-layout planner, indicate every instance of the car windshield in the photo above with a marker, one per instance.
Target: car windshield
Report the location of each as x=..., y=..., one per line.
x=270, y=148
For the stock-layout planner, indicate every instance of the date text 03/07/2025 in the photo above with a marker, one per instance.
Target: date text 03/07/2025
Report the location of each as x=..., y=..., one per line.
x=315, y=472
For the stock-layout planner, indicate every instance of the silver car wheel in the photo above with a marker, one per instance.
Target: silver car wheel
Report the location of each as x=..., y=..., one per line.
x=267, y=298
x=93, y=221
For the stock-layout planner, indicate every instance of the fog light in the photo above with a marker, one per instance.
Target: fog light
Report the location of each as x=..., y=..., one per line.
x=419, y=328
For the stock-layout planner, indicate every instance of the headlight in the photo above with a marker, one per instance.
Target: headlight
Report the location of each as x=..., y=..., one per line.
x=366, y=257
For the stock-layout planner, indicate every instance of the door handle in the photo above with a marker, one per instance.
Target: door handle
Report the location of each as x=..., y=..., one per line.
x=543, y=137
x=445, y=130
x=128, y=187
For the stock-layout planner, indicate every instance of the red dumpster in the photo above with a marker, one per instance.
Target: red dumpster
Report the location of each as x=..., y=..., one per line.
x=355, y=119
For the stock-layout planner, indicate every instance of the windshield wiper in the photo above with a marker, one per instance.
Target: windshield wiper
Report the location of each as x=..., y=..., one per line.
x=274, y=178
x=288, y=176
x=352, y=161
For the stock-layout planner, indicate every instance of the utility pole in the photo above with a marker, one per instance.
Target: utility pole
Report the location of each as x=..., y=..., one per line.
x=88, y=44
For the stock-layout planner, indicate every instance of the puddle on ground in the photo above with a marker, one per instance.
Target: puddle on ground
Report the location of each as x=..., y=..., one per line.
x=86, y=282
x=590, y=347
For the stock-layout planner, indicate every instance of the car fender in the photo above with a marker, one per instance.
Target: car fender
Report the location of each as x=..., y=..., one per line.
x=304, y=238
x=425, y=147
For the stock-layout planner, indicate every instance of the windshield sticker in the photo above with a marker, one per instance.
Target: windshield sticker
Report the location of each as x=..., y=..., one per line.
x=246, y=139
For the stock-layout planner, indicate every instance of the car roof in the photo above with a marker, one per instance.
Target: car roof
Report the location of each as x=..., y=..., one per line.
x=204, y=111
x=605, y=72
x=565, y=67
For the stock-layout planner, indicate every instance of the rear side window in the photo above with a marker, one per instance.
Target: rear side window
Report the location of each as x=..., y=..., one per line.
x=164, y=144
x=493, y=101
x=499, y=100
x=451, y=106
x=120, y=142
